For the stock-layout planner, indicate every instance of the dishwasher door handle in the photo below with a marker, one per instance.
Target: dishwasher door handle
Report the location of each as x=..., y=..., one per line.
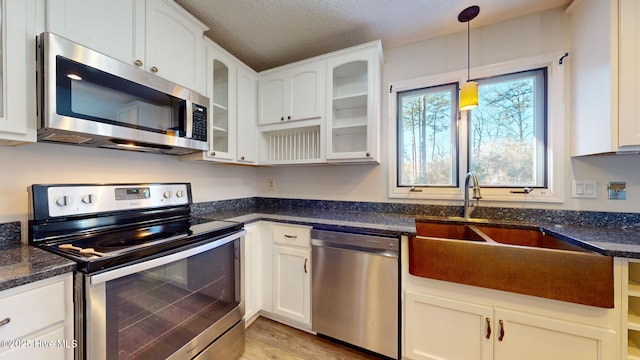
x=390, y=252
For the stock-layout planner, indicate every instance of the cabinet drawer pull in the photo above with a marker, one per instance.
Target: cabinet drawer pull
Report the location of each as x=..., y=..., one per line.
x=488, y=328
x=305, y=265
x=5, y=321
x=154, y=69
x=501, y=331
x=291, y=236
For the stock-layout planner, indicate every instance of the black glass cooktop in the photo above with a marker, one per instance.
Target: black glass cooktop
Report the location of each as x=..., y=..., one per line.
x=123, y=246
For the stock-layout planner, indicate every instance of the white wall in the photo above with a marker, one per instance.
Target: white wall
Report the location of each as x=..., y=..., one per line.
x=53, y=163
x=543, y=33
x=528, y=36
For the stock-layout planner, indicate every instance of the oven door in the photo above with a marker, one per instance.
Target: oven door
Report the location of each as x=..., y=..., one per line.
x=174, y=306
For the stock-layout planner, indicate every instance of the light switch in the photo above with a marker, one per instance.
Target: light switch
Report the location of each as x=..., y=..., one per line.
x=583, y=189
x=589, y=189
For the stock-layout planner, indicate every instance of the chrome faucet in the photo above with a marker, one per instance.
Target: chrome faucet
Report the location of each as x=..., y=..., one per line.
x=468, y=208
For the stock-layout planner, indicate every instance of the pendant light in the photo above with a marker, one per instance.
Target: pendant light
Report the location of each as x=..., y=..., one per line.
x=468, y=91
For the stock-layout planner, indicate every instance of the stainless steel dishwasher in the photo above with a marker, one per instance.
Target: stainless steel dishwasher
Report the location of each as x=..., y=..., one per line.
x=355, y=292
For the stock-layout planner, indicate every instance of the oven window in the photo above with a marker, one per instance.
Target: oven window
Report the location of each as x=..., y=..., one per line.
x=151, y=314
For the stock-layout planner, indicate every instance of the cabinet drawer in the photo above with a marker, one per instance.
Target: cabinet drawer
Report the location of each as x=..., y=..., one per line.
x=32, y=310
x=292, y=235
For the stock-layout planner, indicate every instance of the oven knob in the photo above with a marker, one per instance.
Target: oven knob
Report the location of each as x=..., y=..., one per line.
x=167, y=194
x=63, y=201
x=146, y=194
x=88, y=199
x=179, y=193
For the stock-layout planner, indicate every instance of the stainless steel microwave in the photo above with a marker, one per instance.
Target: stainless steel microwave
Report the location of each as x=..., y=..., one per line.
x=87, y=98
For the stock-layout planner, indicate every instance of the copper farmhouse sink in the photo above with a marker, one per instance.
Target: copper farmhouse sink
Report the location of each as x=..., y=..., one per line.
x=520, y=260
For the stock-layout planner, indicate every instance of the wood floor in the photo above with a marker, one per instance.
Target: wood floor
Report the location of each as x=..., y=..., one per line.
x=267, y=339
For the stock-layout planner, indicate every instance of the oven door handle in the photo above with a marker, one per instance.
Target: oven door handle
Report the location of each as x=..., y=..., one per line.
x=146, y=265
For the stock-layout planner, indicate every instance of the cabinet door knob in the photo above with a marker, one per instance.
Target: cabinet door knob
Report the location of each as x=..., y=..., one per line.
x=138, y=63
x=213, y=153
x=501, y=331
x=368, y=154
x=154, y=69
x=5, y=321
x=281, y=118
x=305, y=265
x=241, y=157
x=488, y=328
x=289, y=117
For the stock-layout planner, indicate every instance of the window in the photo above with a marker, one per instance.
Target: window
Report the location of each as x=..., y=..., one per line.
x=427, y=136
x=514, y=139
x=507, y=131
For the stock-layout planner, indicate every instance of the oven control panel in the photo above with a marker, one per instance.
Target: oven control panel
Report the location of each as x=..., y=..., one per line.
x=66, y=200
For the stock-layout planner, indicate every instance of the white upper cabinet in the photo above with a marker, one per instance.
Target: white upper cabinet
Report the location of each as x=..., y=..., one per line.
x=221, y=90
x=158, y=36
x=17, y=72
x=629, y=114
x=247, y=115
x=292, y=93
x=604, y=67
x=353, y=111
x=114, y=27
x=232, y=91
x=174, y=44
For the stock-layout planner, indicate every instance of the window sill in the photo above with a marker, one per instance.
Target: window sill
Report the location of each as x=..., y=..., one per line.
x=488, y=194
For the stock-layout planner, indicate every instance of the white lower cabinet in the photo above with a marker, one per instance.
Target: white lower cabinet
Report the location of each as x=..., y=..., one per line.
x=447, y=329
x=37, y=320
x=292, y=273
x=280, y=272
x=252, y=281
x=292, y=281
x=440, y=328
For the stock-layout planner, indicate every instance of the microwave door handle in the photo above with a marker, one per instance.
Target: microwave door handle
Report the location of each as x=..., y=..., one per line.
x=188, y=122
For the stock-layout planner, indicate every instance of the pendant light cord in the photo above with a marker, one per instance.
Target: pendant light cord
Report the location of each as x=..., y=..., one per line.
x=468, y=51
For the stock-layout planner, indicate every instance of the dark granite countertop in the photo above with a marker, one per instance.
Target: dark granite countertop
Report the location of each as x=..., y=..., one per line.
x=356, y=222
x=22, y=264
x=617, y=241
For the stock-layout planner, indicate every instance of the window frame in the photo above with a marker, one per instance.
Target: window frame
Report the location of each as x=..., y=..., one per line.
x=543, y=108
x=557, y=121
x=454, y=142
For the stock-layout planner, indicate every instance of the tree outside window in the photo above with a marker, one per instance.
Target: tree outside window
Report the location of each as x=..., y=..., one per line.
x=427, y=149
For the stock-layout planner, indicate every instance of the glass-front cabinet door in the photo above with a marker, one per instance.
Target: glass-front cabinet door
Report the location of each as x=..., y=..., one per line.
x=221, y=90
x=17, y=75
x=353, y=112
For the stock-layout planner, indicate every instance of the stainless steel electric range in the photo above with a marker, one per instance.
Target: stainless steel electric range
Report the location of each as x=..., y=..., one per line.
x=151, y=281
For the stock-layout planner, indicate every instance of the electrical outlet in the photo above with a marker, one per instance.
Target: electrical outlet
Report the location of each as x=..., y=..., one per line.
x=582, y=189
x=271, y=184
x=617, y=190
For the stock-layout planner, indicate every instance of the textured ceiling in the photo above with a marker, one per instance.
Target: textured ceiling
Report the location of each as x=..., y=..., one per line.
x=268, y=33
